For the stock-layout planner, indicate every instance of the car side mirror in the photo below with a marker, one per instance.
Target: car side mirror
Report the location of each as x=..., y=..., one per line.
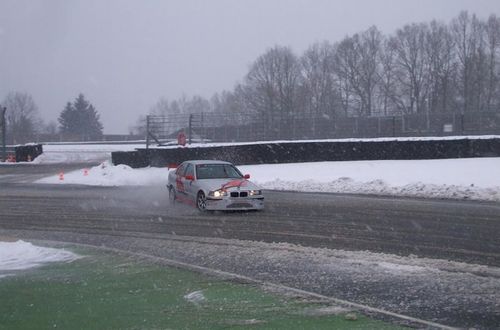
x=190, y=177
x=247, y=176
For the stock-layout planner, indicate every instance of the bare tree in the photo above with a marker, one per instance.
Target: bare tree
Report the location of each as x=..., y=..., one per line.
x=409, y=45
x=161, y=108
x=371, y=42
x=492, y=30
x=345, y=64
x=50, y=128
x=139, y=128
x=198, y=104
x=272, y=86
x=23, y=120
x=440, y=56
x=425, y=68
x=467, y=32
x=357, y=65
x=321, y=91
x=389, y=89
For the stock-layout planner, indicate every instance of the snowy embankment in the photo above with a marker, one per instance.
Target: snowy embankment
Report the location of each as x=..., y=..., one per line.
x=83, y=153
x=21, y=255
x=472, y=178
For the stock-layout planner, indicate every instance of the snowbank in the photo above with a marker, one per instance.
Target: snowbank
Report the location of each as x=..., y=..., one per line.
x=23, y=255
x=107, y=174
x=84, y=153
x=471, y=178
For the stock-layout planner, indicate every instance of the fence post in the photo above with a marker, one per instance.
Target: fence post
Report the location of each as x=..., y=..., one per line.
x=481, y=122
x=190, y=127
x=394, y=126
x=147, y=132
x=202, y=128
x=4, y=135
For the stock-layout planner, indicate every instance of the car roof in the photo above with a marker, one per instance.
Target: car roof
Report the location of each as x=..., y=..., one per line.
x=202, y=162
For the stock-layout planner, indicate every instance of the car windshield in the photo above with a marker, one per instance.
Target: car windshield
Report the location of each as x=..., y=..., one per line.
x=217, y=171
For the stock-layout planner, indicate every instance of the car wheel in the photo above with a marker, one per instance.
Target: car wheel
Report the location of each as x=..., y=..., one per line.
x=201, y=201
x=171, y=195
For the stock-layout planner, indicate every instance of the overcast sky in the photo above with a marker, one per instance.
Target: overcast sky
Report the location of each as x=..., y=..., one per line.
x=126, y=54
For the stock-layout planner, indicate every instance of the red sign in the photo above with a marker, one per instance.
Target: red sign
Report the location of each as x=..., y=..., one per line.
x=181, y=139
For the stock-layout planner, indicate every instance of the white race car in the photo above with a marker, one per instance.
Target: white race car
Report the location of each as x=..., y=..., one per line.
x=213, y=185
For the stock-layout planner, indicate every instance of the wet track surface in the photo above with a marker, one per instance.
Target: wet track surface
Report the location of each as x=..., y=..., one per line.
x=456, y=230
x=463, y=231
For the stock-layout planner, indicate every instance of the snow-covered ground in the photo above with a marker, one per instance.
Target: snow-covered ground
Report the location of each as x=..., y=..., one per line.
x=471, y=178
x=19, y=255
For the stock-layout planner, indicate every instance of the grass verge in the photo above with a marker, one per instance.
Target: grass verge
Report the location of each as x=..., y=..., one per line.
x=108, y=291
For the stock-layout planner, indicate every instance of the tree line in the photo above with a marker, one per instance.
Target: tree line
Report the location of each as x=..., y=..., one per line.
x=427, y=68
x=79, y=120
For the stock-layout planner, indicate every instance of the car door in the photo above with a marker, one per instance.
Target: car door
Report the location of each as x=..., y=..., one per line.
x=179, y=174
x=190, y=188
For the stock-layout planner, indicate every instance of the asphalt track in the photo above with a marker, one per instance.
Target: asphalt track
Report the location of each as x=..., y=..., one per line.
x=463, y=231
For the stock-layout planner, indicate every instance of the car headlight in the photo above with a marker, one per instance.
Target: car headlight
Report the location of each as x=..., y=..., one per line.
x=217, y=193
x=255, y=192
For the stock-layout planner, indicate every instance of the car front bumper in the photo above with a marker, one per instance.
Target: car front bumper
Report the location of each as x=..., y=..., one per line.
x=255, y=203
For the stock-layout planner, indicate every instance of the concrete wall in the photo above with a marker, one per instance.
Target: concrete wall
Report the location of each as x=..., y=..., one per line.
x=28, y=152
x=289, y=152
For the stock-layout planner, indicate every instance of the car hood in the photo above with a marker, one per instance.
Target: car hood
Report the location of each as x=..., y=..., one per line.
x=228, y=184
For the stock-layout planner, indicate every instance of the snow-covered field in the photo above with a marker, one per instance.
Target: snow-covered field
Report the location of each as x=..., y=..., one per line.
x=472, y=178
x=19, y=255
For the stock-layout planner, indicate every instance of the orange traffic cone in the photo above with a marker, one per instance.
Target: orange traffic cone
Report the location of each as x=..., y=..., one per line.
x=61, y=176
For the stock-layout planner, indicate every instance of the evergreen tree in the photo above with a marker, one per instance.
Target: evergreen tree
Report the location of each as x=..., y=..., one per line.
x=81, y=119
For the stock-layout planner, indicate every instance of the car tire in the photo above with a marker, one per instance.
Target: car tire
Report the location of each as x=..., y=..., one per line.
x=201, y=201
x=171, y=195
